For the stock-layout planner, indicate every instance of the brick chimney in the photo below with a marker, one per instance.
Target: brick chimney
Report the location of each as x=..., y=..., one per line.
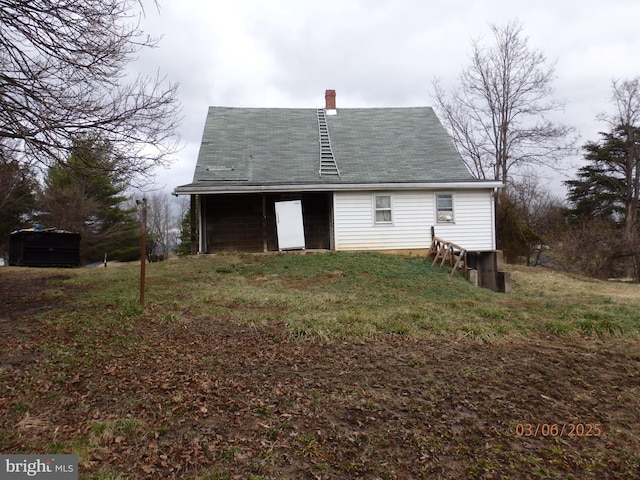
x=330, y=102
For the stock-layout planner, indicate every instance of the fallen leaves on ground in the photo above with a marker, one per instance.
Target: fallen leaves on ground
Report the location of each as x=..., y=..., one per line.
x=208, y=398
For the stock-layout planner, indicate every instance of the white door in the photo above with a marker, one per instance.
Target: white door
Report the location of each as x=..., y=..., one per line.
x=289, y=225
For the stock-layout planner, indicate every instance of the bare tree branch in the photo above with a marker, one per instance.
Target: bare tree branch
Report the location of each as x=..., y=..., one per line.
x=63, y=76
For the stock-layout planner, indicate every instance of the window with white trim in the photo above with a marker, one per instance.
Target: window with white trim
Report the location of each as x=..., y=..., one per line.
x=382, y=208
x=444, y=208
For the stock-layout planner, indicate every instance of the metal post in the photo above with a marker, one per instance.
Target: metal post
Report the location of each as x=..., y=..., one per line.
x=143, y=248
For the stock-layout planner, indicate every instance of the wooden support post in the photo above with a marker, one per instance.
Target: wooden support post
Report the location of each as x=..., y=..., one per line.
x=461, y=261
x=193, y=214
x=447, y=254
x=265, y=246
x=440, y=249
x=435, y=259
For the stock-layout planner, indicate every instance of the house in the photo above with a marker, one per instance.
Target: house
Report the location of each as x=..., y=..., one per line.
x=382, y=179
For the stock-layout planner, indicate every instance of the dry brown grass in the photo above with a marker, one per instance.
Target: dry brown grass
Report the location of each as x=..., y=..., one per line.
x=549, y=281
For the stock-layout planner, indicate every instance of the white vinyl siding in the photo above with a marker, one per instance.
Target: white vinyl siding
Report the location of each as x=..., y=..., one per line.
x=355, y=227
x=474, y=225
x=414, y=213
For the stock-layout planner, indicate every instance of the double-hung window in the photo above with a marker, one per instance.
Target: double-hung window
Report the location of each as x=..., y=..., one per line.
x=382, y=208
x=444, y=208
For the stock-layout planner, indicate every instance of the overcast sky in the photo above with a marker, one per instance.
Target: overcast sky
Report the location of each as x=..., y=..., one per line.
x=374, y=53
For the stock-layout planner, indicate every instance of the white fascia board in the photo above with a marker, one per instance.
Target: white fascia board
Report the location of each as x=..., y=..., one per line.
x=333, y=187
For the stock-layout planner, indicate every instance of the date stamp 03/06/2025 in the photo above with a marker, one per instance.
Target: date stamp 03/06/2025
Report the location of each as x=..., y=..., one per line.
x=571, y=430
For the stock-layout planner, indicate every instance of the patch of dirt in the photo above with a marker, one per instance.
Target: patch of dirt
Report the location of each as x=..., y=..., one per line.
x=24, y=292
x=155, y=399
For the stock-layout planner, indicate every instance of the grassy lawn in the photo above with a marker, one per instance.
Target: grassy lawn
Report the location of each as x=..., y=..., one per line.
x=355, y=295
x=332, y=365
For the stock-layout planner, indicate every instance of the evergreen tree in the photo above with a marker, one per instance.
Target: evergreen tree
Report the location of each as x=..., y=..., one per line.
x=601, y=187
x=85, y=194
x=17, y=196
x=184, y=247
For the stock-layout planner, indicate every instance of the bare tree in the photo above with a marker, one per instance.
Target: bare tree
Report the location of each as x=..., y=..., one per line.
x=163, y=224
x=498, y=113
x=588, y=247
x=63, y=76
x=626, y=97
x=540, y=213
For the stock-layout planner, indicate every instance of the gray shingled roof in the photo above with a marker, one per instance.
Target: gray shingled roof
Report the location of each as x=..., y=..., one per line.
x=280, y=146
